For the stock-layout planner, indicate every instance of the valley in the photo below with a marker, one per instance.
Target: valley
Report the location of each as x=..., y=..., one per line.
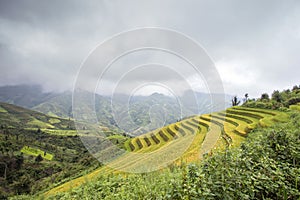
x=135, y=115
x=44, y=156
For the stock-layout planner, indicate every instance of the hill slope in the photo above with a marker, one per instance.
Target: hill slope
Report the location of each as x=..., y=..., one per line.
x=205, y=133
x=26, y=96
x=38, y=151
x=14, y=116
x=266, y=166
x=132, y=114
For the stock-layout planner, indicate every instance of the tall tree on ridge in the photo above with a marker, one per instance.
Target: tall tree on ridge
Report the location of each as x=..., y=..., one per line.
x=235, y=101
x=246, y=97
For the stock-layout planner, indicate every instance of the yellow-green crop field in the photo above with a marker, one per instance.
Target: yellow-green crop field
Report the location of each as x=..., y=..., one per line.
x=35, y=152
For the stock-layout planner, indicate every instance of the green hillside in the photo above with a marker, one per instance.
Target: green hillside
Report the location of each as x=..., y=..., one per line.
x=258, y=129
x=132, y=114
x=24, y=95
x=38, y=151
x=232, y=126
x=207, y=156
x=59, y=105
x=17, y=117
x=210, y=133
x=266, y=166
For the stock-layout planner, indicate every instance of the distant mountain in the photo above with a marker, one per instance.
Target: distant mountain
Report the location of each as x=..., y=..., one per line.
x=59, y=105
x=12, y=116
x=24, y=95
x=205, y=102
x=141, y=114
x=133, y=114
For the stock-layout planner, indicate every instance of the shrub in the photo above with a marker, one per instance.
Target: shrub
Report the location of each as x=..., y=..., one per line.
x=259, y=104
x=39, y=158
x=283, y=109
x=293, y=100
x=265, y=97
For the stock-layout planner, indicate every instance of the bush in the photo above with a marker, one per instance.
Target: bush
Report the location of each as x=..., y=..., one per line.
x=279, y=100
x=39, y=158
x=259, y=104
x=276, y=105
x=283, y=109
x=293, y=100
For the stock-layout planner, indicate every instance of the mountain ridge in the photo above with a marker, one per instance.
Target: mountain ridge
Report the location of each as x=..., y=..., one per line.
x=132, y=114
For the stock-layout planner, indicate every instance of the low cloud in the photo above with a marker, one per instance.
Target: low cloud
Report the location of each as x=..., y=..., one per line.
x=254, y=44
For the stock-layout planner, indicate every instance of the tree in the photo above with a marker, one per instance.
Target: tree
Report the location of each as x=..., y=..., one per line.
x=19, y=161
x=39, y=158
x=295, y=88
x=265, y=96
x=277, y=96
x=246, y=97
x=22, y=185
x=3, y=169
x=288, y=91
x=235, y=101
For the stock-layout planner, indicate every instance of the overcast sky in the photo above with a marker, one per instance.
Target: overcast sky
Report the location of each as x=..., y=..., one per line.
x=255, y=44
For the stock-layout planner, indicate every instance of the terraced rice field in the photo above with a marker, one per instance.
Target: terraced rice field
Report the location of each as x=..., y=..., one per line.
x=35, y=152
x=188, y=140
x=231, y=126
x=193, y=137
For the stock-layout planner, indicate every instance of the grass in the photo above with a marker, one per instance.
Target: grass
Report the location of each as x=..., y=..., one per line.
x=2, y=110
x=295, y=107
x=60, y=132
x=54, y=121
x=39, y=124
x=35, y=152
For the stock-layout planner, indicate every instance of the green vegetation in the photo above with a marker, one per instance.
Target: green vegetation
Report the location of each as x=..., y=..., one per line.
x=279, y=100
x=60, y=132
x=265, y=166
x=33, y=157
x=39, y=124
x=245, y=152
x=18, y=117
x=213, y=133
x=2, y=110
x=145, y=113
x=231, y=126
x=63, y=158
x=235, y=101
x=54, y=121
x=295, y=107
x=36, y=152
